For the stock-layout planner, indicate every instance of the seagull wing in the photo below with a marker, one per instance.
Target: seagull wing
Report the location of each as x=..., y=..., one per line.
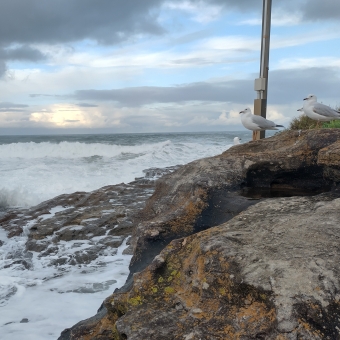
x=263, y=123
x=326, y=111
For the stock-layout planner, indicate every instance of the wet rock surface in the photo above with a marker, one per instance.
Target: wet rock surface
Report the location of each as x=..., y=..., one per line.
x=75, y=229
x=262, y=269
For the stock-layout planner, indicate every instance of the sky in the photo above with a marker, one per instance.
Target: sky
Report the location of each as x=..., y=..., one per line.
x=113, y=66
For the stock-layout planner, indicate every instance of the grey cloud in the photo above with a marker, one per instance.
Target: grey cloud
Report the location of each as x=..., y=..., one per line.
x=106, y=21
x=35, y=95
x=284, y=86
x=138, y=96
x=3, y=68
x=11, y=110
x=113, y=21
x=71, y=120
x=320, y=10
x=86, y=105
x=22, y=53
x=240, y=4
x=7, y=105
x=293, y=85
x=310, y=9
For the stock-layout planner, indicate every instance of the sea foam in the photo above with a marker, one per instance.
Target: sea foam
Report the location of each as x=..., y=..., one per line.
x=33, y=172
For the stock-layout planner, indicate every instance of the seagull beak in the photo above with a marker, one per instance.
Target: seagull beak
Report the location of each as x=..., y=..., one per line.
x=305, y=98
x=241, y=112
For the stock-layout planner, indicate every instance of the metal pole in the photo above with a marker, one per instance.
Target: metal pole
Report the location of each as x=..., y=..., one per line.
x=261, y=84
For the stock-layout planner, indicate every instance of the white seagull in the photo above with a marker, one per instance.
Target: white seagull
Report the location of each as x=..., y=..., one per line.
x=256, y=123
x=237, y=141
x=318, y=111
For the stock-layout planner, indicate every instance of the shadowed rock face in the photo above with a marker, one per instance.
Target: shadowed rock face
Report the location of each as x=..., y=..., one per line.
x=263, y=271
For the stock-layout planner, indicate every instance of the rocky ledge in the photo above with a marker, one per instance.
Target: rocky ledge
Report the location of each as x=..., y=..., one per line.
x=244, y=245
x=76, y=229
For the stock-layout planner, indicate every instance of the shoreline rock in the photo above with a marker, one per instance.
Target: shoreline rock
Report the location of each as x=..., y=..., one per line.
x=75, y=229
x=262, y=269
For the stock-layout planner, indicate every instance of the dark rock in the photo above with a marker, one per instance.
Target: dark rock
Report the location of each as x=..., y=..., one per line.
x=94, y=288
x=114, y=241
x=25, y=264
x=5, y=296
x=271, y=272
x=24, y=320
x=104, y=217
x=36, y=245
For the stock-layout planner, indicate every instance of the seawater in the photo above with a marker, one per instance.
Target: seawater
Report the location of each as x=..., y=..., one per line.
x=37, y=168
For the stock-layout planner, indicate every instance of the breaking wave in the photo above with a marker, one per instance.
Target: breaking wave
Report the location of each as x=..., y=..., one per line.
x=34, y=172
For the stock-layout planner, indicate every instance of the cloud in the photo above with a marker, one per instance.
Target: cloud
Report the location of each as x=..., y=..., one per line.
x=11, y=110
x=198, y=9
x=36, y=95
x=291, y=11
x=24, y=52
x=284, y=86
x=317, y=10
x=279, y=18
x=114, y=21
x=144, y=95
x=65, y=115
x=86, y=105
x=105, y=21
x=307, y=9
x=3, y=68
x=7, y=105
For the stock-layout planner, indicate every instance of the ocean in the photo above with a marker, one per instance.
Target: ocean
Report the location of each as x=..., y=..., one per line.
x=38, y=303
x=36, y=168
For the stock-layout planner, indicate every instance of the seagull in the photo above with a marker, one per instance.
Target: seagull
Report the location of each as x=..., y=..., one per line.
x=237, y=141
x=301, y=110
x=318, y=111
x=256, y=123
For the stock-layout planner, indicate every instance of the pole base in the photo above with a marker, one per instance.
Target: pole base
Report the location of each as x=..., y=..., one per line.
x=257, y=135
x=260, y=106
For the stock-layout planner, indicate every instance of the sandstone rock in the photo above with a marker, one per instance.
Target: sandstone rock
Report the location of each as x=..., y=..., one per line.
x=207, y=192
x=329, y=158
x=268, y=270
x=270, y=273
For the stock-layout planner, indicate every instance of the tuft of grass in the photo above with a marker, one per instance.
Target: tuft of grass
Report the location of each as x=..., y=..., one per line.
x=333, y=124
x=302, y=123
x=305, y=123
